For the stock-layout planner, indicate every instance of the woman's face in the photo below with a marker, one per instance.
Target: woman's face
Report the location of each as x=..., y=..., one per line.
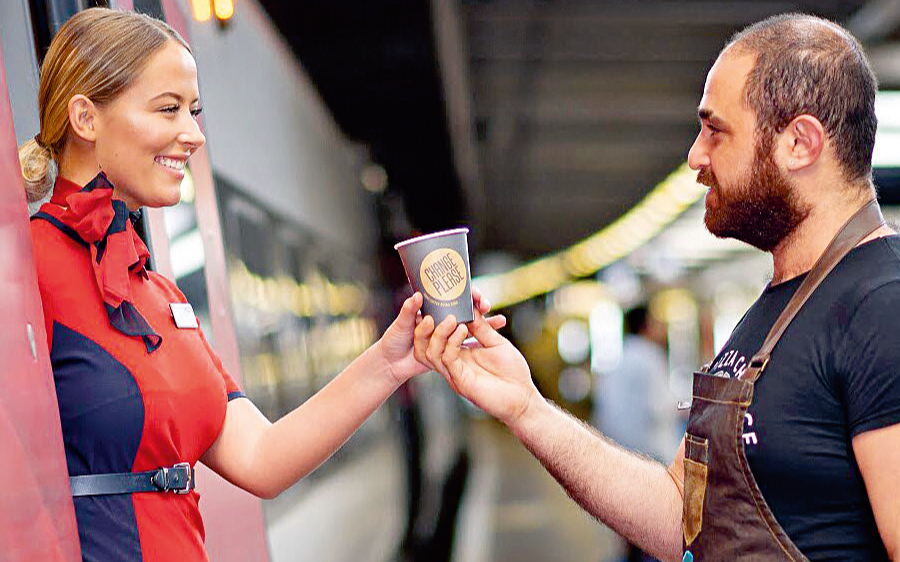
x=145, y=136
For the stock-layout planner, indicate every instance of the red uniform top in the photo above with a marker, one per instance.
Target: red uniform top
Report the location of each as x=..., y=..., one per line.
x=123, y=406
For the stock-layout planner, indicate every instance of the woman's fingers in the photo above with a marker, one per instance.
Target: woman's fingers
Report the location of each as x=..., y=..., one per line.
x=497, y=321
x=406, y=319
x=480, y=302
x=439, y=341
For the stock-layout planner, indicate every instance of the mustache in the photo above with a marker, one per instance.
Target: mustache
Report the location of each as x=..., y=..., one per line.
x=706, y=177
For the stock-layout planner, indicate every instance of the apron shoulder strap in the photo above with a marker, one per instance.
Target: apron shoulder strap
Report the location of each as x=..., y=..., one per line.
x=863, y=223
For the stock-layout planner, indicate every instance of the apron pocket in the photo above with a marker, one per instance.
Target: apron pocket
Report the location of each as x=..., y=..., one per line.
x=695, y=474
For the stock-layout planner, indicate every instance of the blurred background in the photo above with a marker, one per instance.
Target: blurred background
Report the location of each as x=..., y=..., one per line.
x=557, y=132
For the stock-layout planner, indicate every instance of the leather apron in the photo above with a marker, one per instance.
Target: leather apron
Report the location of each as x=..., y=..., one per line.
x=725, y=516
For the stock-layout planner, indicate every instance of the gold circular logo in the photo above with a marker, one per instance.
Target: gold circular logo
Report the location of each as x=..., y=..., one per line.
x=443, y=274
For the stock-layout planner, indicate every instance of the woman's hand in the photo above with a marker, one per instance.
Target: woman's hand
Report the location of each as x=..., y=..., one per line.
x=396, y=345
x=492, y=374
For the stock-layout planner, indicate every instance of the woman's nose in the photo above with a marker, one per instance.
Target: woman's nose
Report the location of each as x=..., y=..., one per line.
x=193, y=136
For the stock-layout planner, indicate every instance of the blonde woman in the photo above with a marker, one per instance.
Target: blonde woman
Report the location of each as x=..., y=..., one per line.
x=142, y=396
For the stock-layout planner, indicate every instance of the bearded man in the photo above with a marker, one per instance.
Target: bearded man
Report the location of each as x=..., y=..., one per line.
x=793, y=445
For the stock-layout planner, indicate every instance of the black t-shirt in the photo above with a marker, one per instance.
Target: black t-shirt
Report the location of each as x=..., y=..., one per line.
x=833, y=375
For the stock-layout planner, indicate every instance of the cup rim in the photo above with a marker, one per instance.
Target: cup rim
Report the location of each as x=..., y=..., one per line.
x=450, y=232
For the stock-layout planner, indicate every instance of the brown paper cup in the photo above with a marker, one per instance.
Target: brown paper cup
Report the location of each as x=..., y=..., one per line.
x=437, y=265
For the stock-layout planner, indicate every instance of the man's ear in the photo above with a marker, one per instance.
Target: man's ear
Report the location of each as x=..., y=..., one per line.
x=83, y=117
x=802, y=142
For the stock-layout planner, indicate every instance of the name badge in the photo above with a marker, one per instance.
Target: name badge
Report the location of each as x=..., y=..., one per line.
x=184, y=316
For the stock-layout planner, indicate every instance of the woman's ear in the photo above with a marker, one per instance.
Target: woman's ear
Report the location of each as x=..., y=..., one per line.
x=803, y=141
x=83, y=117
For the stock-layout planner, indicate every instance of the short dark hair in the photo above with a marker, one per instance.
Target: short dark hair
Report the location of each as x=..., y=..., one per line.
x=809, y=65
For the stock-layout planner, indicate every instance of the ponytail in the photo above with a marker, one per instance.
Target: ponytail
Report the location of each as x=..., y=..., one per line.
x=39, y=169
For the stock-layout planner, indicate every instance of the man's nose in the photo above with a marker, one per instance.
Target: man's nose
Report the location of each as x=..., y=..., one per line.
x=698, y=157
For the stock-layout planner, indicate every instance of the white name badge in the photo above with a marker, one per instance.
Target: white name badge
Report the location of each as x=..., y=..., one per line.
x=184, y=316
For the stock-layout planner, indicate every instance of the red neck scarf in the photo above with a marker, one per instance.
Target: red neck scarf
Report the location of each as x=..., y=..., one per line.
x=105, y=226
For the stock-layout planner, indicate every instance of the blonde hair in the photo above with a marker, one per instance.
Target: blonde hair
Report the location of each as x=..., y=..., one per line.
x=98, y=53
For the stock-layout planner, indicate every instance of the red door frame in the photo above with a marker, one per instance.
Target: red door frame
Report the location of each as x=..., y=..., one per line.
x=37, y=517
x=235, y=526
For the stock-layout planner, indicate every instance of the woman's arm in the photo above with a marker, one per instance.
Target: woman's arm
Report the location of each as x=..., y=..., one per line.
x=266, y=458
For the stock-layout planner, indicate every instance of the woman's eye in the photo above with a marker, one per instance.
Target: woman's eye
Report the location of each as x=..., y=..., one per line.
x=196, y=112
x=170, y=109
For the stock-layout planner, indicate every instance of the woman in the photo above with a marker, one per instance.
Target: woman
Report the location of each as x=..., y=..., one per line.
x=137, y=384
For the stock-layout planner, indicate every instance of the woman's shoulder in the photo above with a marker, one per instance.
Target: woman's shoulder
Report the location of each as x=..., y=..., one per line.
x=57, y=254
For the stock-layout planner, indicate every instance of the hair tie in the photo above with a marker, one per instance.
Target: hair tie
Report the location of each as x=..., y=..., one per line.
x=40, y=142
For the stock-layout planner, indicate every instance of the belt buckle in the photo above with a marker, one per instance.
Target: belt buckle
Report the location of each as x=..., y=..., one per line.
x=166, y=481
x=189, y=480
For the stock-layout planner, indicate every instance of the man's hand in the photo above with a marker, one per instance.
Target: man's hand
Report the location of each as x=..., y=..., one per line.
x=396, y=345
x=492, y=374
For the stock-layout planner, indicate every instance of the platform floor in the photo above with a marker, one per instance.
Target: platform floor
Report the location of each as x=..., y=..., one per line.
x=512, y=510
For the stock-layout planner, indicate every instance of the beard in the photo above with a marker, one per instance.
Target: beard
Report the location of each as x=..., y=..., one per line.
x=761, y=209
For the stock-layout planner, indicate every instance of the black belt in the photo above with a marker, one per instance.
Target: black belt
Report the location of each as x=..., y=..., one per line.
x=178, y=479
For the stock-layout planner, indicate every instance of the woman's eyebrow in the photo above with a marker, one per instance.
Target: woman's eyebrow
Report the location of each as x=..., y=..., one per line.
x=177, y=97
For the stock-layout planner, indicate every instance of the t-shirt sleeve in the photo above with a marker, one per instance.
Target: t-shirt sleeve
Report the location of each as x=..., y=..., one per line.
x=233, y=389
x=869, y=373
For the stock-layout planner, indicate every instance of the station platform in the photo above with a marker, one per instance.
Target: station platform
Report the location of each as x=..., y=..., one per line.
x=512, y=509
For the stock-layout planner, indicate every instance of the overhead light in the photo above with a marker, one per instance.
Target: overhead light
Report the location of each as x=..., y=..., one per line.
x=224, y=9
x=201, y=9
x=630, y=231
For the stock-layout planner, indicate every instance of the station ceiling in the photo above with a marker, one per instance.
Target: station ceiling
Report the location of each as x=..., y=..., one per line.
x=560, y=116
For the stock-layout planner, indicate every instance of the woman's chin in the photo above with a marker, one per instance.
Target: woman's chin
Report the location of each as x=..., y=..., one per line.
x=170, y=198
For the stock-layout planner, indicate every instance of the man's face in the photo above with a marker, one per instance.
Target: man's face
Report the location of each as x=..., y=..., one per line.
x=750, y=199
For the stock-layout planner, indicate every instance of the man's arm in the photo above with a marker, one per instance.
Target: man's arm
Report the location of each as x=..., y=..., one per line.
x=878, y=456
x=637, y=497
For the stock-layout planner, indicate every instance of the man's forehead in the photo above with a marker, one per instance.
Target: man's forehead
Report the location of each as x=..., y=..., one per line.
x=724, y=86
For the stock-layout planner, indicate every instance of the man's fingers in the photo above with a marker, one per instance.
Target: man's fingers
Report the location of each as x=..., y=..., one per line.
x=451, y=352
x=420, y=342
x=439, y=341
x=484, y=332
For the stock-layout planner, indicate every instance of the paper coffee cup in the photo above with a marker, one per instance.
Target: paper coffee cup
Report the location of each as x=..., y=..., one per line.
x=437, y=265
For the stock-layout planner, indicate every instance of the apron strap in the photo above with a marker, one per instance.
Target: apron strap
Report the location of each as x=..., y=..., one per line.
x=863, y=223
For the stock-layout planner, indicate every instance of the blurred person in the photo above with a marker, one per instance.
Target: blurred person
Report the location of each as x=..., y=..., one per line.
x=791, y=451
x=633, y=405
x=138, y=385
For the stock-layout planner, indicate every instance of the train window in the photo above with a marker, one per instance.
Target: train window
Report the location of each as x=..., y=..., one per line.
x=150, y=7
x=187, y=253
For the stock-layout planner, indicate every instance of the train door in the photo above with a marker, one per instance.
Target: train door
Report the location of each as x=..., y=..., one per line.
x=37, y=518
